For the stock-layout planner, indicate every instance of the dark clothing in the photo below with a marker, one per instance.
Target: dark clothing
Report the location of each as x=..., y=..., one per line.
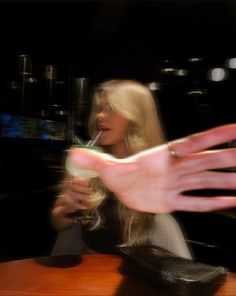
x=109, y=234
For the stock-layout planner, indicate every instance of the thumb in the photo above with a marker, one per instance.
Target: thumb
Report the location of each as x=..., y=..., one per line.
x=89, y=159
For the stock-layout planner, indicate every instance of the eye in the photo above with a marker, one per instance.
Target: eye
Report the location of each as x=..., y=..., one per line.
x=104, y=108
x=107, y=109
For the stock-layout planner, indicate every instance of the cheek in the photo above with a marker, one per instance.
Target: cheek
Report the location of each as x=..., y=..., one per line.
x=118, y=132
x=122, y=128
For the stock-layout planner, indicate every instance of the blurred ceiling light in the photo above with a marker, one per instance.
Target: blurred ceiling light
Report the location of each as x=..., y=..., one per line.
x=181, y=72
x=231, y=63
x=168, y=70
x=196, y=92
x=166, y=62
x=217, y=74
x=154, y=86
x=194, y=60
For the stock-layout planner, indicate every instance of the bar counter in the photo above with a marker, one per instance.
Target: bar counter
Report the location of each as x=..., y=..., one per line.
x=74, y=276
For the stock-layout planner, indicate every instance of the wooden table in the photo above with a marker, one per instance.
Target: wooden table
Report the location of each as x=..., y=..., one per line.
x=75, y=276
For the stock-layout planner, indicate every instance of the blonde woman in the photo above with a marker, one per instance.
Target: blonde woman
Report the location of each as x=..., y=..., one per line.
x=126, y=113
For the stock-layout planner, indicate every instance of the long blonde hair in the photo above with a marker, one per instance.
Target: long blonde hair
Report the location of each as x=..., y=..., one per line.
x=133, y=101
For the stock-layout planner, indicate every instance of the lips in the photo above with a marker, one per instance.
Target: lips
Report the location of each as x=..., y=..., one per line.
x=103, y=128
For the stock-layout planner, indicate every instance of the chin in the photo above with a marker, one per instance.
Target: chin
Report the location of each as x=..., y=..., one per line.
x=105, y=143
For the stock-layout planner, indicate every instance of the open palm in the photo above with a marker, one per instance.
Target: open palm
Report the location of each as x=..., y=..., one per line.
x=153, y=181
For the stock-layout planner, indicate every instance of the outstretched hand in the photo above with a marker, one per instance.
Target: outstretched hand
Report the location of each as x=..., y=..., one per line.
x=155, y=179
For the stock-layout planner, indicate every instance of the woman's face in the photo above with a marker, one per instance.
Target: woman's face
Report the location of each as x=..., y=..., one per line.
x=113, y=125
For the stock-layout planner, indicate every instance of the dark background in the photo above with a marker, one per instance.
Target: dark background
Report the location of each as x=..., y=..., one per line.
x=128, y=39
x=116, y=37
x=103, y=40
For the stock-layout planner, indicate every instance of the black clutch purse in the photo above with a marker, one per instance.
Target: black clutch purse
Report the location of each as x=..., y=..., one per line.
x=173, y=275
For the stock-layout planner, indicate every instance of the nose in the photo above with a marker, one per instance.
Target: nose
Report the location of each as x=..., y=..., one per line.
x=100, y=116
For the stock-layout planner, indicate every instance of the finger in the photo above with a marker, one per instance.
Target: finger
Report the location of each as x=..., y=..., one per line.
x=208, y=160
x=81, y=200
x=77, y=189
x=204, y=140
x=81, y=186
x=204, y=204
x=208, y=180
x=81, y=182
x=74, y=181
x=90, y=159
x=77, y=186
x=81, y=206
